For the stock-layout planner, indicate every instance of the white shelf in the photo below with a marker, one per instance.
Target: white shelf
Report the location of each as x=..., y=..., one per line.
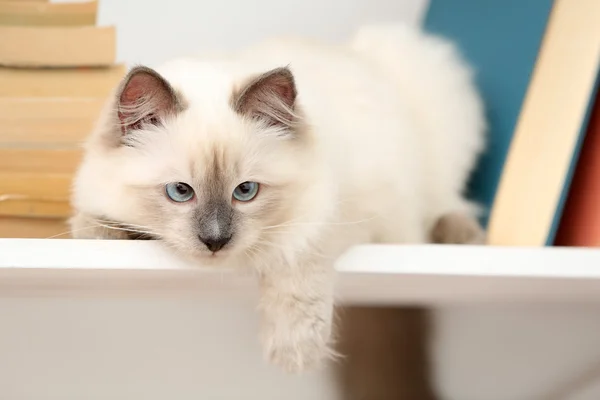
x=385, y=274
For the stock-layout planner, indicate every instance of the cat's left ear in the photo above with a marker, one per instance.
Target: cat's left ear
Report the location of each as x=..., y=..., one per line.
x=270, y=97
x=145, y=97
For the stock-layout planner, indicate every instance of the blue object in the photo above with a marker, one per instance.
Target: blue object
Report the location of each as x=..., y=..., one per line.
x=501, y=39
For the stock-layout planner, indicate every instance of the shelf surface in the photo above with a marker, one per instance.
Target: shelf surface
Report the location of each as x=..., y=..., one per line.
x=380, y=274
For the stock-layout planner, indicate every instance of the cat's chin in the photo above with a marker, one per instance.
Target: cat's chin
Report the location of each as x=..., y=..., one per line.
x=198, y=256
x=216, y=258
x=226, y=258
x=220, y=259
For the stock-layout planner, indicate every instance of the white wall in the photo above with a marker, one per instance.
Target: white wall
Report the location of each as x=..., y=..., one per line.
x=152, y=31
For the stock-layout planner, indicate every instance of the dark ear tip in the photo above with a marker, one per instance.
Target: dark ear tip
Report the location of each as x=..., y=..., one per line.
x=141, y=70
x=286, y=73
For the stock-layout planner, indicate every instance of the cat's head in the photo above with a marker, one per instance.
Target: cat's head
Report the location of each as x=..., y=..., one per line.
x=212, y=164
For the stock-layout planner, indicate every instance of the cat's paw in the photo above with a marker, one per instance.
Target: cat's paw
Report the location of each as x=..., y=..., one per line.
x=457, y=228
x=298, y=346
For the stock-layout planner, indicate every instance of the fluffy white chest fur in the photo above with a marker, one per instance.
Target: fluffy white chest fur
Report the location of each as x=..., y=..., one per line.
x=281, y=157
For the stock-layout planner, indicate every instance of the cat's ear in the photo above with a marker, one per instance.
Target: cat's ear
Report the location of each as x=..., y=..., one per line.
x=145, y=97
x=270, y=97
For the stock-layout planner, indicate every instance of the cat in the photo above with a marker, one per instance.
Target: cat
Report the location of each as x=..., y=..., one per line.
x=280, y=157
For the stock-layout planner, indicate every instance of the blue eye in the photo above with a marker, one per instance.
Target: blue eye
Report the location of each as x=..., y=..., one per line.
x=179, y=192
x=246, y=191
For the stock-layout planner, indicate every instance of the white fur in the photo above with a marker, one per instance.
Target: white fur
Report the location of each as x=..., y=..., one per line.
x=395, y=127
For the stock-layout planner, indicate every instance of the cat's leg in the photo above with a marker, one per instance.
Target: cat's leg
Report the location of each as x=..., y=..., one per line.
x=297, y=310
x=84, y=226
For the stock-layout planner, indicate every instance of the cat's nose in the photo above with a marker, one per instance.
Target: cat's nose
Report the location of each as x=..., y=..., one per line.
x=215, y=244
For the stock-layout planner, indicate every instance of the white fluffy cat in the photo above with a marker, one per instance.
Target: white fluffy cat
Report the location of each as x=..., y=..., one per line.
x=281, y=157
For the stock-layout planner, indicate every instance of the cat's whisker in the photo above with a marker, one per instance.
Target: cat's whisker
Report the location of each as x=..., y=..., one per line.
x=72, y=231
x=293, y=220
x=257, y=255
x=251, y=251
x=143, y=234
x=101, y=226
x=126, y=229
x=122, y=224
x=285, y=225
x=260, y=253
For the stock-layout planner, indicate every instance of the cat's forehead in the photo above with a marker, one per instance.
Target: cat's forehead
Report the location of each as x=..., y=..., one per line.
x=216, y=170
x=217, y=154
x=205, y=150
x=217, y=162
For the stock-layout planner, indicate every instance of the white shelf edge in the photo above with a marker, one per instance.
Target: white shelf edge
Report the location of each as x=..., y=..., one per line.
x=383, y=274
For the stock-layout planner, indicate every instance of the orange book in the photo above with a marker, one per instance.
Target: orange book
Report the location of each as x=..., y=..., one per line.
x=580, y=222
x=57, y=46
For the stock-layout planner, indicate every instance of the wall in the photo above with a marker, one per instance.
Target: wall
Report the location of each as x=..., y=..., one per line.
x=151, y=31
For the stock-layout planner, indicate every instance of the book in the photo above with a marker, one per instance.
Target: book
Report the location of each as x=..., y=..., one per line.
x=580, y=222
x=57, y=69
x=551, y=125
x=35, y=186
x=42, y=13
x=501, y=40
x=32, y=46
x=60, y=82
x=36, y=182
x=27, y=208
x=35, y=194
x=47, y=121
x=40, y=160
x=40, y=228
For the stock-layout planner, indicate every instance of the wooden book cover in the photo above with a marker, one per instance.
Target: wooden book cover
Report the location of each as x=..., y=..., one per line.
x=60, y=122
x=60, y=82
x=36, y=181
x=552, y=122
x=27, y=208
x=31, y=46
x=40, y=160
x=580, y=223
x=39, y=228
x=35, y=186
x=30, y=12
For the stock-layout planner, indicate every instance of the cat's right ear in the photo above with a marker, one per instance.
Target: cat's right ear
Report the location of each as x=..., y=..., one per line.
x=145, y=97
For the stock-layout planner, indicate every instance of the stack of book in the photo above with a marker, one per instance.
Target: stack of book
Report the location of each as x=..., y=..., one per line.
x=56, y=70
x=537, y=65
